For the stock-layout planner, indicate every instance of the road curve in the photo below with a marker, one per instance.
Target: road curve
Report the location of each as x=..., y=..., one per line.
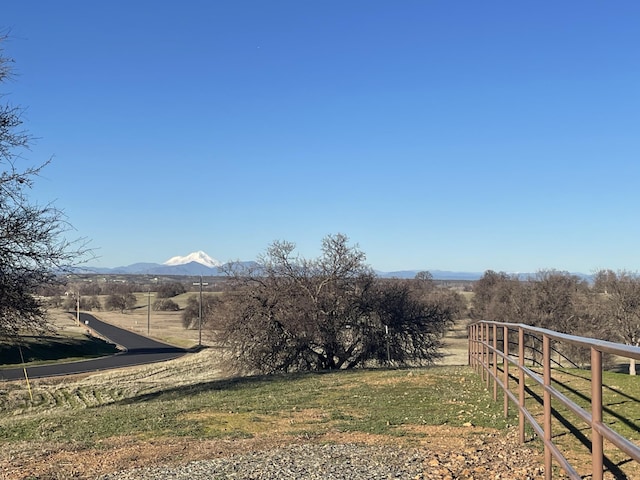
x=139, y=350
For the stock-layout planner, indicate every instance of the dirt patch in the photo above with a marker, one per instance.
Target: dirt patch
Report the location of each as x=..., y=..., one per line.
x=456, y=345
x=63, y=461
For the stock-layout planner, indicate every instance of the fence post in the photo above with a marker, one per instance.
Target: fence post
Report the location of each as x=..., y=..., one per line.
x=596, y=415
x=469, y=344
x=521, y=383
x=487, y=353
x=505, y=368
x=476, y=348
x=473, y=338
x=495, y=362
x=481, y=349
x=546, y=367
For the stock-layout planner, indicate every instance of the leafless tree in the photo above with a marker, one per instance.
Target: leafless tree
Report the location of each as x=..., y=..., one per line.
x=555, y=299
x=290, y=313
x=501, y=297
x=33, y=247
x=548, y=299
x=610, y=310
x=620, y=302
x=87, y=302
x=603, y=279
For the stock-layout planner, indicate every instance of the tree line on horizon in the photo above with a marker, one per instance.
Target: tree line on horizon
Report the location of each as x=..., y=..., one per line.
x=606, y=309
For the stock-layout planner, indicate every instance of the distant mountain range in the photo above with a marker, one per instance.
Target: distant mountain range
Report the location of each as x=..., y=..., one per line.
x=199, y=263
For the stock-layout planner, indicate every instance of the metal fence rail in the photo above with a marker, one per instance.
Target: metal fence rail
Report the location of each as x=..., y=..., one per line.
x=506, y=344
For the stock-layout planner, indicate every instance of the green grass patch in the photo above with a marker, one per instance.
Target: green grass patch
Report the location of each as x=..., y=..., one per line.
x=573, y=436
x=46, y=349
x=385, y=402
x=620, y=398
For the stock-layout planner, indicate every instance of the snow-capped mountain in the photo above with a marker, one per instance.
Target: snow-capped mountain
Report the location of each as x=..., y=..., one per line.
x=198, y=257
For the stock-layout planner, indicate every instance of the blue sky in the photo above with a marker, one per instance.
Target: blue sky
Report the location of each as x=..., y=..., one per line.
x=439, y=135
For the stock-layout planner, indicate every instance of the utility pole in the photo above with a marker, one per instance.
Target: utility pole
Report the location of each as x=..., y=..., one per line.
x=200, y=311
x=149, y=310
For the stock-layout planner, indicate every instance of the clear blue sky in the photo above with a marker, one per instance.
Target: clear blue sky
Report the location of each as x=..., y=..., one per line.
x=435, y=134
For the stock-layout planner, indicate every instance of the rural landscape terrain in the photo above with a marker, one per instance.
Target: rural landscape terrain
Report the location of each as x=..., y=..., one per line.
x=90, y=425
x=434, y=422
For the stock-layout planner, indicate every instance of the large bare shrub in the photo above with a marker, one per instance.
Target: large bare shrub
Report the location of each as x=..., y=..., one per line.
x=289, y=313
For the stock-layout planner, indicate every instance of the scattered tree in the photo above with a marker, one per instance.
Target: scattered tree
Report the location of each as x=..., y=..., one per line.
x=425, y=280
x=603, y=279
x=165, y=305
x=555, y=297
x=168, y=290
x=90, y=303
x=54, y=301
x=610, y=310
x=120, y=302
x=494, y=298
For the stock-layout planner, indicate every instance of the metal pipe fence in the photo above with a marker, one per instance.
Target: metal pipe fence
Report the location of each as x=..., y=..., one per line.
x=516, y=358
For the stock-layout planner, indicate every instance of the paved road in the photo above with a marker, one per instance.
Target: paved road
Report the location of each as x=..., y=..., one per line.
x=139, y=350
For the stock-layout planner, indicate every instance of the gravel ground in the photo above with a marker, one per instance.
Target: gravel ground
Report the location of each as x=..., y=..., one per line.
x=499, y=458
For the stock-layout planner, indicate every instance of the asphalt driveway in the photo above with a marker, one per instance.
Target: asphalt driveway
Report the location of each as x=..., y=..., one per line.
x=139, y=350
